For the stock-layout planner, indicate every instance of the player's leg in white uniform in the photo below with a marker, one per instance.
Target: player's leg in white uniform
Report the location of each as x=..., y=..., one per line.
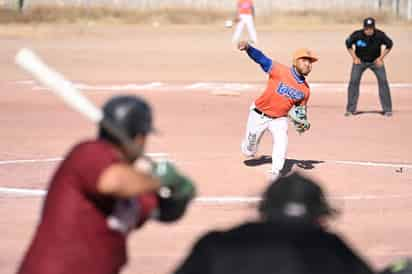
x=256, y=126
x=239, y=28
x=251, y=28
x=279, y=129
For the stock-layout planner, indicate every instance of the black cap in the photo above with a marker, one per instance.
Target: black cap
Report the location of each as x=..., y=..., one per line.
x=130, y=114
x=369, y=22
x=294, y=197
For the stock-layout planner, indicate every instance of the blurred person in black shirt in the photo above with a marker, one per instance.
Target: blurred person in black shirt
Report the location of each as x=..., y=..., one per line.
x=290, y=237
x=368, y=54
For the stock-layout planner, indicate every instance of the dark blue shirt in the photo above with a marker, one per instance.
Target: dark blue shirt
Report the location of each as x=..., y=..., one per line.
x=368, y=48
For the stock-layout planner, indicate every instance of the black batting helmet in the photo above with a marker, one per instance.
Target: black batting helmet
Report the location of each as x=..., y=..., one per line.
x=294, y=197
x=130, y=114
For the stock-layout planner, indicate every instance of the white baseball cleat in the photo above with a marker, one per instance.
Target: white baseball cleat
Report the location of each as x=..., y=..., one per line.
x=246, y=151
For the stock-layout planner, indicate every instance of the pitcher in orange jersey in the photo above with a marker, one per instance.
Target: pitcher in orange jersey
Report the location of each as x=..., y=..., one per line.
x=286, y=87
x=245, y=16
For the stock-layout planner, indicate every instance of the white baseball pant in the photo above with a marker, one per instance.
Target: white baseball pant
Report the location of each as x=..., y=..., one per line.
x=248, y=20
x=257, y=124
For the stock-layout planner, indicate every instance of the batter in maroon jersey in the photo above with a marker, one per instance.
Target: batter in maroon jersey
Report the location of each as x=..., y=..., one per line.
x=96, y=198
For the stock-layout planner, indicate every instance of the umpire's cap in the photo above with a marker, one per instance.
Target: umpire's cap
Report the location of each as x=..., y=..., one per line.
x=131, y=114
x=369, y=22
x=294, y=197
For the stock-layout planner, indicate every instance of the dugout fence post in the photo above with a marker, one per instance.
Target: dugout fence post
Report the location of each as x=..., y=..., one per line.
x=395, y=7
x=378, y=5
x=409, y=10
x=20, y=5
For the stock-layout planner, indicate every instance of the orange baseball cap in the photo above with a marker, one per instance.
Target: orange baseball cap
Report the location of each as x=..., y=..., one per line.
x=304, y=53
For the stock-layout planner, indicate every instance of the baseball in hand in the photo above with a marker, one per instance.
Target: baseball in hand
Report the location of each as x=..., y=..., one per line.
x=243, y=45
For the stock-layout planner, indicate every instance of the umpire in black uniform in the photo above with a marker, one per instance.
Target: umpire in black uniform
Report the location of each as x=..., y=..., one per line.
x=289, y=238
x=368, y=54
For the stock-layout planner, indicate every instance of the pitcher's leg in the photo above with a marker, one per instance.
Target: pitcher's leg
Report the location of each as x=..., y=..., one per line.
x=251, y=29
x=256, y=126
x=384, y=91
x=279, y=129
x=238, y=30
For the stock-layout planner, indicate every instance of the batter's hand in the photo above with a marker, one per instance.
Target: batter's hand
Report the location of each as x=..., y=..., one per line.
x=402, y=266
x=174, y=207
x=176, y=193
x=243, y=45
x=167, y=174
x=172, y=182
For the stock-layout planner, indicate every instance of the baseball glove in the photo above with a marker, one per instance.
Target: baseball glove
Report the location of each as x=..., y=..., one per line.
x=175, y=194
x=403, y=266
x=298, y=116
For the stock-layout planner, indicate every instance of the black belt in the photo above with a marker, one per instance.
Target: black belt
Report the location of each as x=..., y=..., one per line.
x=264, y=114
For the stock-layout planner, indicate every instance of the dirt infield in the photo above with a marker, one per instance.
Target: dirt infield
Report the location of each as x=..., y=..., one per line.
x=363, y=161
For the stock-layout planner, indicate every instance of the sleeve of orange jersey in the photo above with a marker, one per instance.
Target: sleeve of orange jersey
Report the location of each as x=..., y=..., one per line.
x=256, y=55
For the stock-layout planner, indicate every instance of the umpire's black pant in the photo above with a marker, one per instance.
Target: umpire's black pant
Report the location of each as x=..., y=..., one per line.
x=353, y=89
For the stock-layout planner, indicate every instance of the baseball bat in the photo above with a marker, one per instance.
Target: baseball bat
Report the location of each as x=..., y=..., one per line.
x=64, y=89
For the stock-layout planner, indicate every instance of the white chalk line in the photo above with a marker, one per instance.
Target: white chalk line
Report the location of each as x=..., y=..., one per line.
x=26, y=161
x=165, y=155
x=251, y=199
x=212, y=199
x=373, y=164
x=231, y=86
x=25, y=82
x=27, y=192
x=58, y=159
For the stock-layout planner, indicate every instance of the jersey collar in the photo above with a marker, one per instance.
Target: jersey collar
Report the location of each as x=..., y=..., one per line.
x=299, y=78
